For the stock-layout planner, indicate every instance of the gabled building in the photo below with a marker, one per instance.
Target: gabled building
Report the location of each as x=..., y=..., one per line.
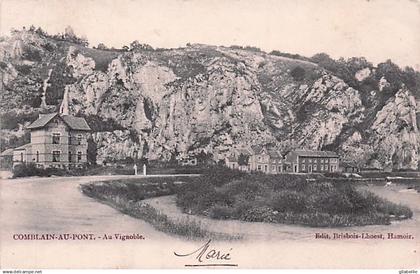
x=313, y=161
x=56, y=141
x=259, y=159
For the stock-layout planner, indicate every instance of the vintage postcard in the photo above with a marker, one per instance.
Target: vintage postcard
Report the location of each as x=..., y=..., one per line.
x=222, y=134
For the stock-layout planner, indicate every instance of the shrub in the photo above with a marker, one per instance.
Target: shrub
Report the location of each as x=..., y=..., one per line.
x=28, y=169
x=218, y=211
x=289, y=201
x=219, y=175
x=117, y=194
x=288, y=198
x=298, y=73
x=258, y=214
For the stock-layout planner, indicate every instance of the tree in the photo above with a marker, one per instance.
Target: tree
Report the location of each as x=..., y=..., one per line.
x=41, y=31
x=203, y=157
x=92, y=151
x=102, y=46
x=325, y=61
x=298, y=73
x=136, y=45
x=69, y=32
x=392, y=73
x=243, y=159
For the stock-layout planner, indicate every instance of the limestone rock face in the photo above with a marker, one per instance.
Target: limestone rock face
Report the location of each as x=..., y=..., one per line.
x=115, y=145
x=396, y=134
x=178, y=102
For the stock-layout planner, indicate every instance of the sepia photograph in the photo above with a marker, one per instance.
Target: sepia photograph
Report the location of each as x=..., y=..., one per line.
x=209, y=134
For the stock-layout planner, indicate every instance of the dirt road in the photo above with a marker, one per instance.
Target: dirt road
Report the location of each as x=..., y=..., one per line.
x=56, y=205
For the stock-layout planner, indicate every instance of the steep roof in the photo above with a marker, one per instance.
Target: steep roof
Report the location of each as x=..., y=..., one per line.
x=42, y=121
x=76, y=123
x=257, y=149
x=7, y=152
x=315, y=153
x=23, y=147
x=244, y=151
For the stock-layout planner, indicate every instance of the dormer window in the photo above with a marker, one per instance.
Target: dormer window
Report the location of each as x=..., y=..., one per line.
x=56, y=138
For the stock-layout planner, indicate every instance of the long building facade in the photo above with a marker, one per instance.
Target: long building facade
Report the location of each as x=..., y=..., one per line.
x=313, y=161
x=258, y=159
x=272, y=162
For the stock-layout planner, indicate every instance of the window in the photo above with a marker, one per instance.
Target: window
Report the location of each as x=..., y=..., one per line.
x=303, y=167
x=314, y=166
x=322, y=168
x=279, y=168
x=79, y=139
x=79, y=156
x=21, y=156
x=259, y=168
x=326, y=167
x=273, y=168
x=37, y=156
x=70, y=156
x=322, y=160
x=303, y=160
x=56, y=138
x=233, y=165
x=56, y=156
x=310, y=160
x=265, y=168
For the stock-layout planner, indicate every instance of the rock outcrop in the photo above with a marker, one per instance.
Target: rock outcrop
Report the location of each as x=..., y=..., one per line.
x=203, y=98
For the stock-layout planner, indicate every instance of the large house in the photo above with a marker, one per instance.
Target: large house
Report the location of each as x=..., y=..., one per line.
x=271, y=162
x=57, y=140
x=258, y=159
x=308, y=161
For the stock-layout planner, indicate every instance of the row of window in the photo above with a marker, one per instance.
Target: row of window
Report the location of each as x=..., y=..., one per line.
x=56, y=139
x=315, y=167
x=331, y=160
x=56, y=156
x=273, y=168
x=260, y=167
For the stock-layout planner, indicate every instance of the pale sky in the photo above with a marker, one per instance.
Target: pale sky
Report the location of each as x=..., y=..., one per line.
x=376, y=29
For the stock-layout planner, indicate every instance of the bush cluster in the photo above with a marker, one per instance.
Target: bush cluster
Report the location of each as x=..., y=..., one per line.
x=127, y=196
x=311, y=200
x=30, y=169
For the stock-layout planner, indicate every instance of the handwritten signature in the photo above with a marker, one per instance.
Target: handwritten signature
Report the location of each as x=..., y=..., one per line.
x=206, y=253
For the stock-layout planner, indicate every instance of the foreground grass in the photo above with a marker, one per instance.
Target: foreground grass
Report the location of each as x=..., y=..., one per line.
x=126, y=196
x=311, y=200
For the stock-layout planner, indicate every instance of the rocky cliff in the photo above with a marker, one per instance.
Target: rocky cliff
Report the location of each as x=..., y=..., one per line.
x=169, y=103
